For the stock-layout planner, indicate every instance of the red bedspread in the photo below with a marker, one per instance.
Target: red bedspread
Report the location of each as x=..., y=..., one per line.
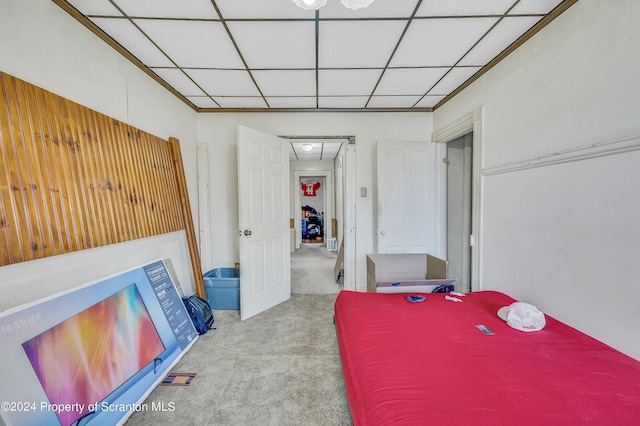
x=428, y=364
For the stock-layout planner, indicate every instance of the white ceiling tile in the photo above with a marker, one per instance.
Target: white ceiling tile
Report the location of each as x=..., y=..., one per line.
x=193, y=44
x=202, y=102
x=306, y=156
x=329, y=154
x=286, y=82
x=331, y=146
x=451, y=81
x=439, y=42
x=241, y=102
x=464, y=7
x=97, y=7
x=535, y=6
x=505, y=33
x=309, y=155
x=392, y=101
x=342, y=102
x=409, y=81
x=247, y=9
x=429, y=101
x=357, y=44
x=292, y=102
x=224, y=82
x=347, y=82
x=276, y=44
x=179, y=81
x=129, y=37
x=299, y=146
x=200, y=9
x=378, y=9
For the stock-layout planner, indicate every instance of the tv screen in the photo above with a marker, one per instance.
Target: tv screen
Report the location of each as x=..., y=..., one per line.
x=86, y=357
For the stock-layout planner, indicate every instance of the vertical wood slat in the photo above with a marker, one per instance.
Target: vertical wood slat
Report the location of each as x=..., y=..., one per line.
x=72, y=178
x=128, y=209
x=51, y=224
x=82, y=156
x=104, y=176
x=171, y=209
x=8, y=227
x=18, y=223
x=156, y=188
x=149, y=147
x=75, y=192
x=144, y=178
x=151, y=196
x=90, y=158
x=132, y=192
x=187, y=218
x=33, y=178
x=55, y=168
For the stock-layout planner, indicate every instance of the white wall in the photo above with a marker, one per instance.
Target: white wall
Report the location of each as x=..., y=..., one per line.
x=565, y=236
x=43, y=45
x=219, y=131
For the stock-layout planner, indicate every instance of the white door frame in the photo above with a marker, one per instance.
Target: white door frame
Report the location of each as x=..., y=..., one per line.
x=471, y=122
x=349, y=278
x=328, y=196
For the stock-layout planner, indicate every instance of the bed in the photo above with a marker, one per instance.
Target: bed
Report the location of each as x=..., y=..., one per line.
x=429, y=364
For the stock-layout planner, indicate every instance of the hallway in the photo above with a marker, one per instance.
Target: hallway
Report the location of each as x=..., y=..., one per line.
x=312, y=270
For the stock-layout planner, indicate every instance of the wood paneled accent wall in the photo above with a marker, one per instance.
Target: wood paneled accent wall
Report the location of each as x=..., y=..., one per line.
x=73, y=179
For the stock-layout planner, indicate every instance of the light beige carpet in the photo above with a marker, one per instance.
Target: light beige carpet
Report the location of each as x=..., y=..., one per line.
x=312, y=270
x=278, y=368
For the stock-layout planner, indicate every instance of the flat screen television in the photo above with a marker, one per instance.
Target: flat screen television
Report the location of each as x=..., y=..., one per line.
x=85, y=358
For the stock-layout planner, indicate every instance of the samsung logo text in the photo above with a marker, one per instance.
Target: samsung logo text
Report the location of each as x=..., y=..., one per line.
x=22, y=322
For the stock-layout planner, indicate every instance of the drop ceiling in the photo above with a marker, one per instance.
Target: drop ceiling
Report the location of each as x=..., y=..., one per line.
x=302, y=149
x=270, y=55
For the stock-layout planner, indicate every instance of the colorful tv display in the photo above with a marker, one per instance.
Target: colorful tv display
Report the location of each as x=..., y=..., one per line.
x=83, y=359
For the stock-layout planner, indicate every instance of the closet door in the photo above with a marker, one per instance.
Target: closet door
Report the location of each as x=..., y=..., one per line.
x=405, y=220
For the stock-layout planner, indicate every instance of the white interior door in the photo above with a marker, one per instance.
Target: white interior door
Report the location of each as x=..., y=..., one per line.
x=263, y=198
x=405, y=221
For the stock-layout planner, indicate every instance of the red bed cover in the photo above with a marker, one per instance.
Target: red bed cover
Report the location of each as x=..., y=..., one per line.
x=428, y=363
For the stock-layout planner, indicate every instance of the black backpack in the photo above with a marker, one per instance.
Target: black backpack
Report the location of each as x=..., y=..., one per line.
x=200, y=312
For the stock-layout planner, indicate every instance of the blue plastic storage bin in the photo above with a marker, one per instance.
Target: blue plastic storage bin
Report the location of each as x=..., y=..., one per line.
x=223, y=288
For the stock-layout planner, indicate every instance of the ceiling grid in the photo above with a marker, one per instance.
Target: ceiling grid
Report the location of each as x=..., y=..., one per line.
x=266, y=55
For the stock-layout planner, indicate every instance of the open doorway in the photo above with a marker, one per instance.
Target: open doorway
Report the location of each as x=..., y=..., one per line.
x=317, y=212
x=469, y=124
x=313, y=209
x=265, y=215
x=312, y=201
x=459, y=201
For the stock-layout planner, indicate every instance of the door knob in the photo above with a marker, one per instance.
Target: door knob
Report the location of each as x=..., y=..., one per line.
x=383, y=233
x=247, y=232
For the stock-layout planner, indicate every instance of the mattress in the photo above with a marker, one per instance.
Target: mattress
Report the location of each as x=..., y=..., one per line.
x=429, y=364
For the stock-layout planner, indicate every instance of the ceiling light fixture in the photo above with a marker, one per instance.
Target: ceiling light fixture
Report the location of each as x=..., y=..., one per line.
x=356, y=4
x=310, y=4
x=307, y=147
x=317, y=4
